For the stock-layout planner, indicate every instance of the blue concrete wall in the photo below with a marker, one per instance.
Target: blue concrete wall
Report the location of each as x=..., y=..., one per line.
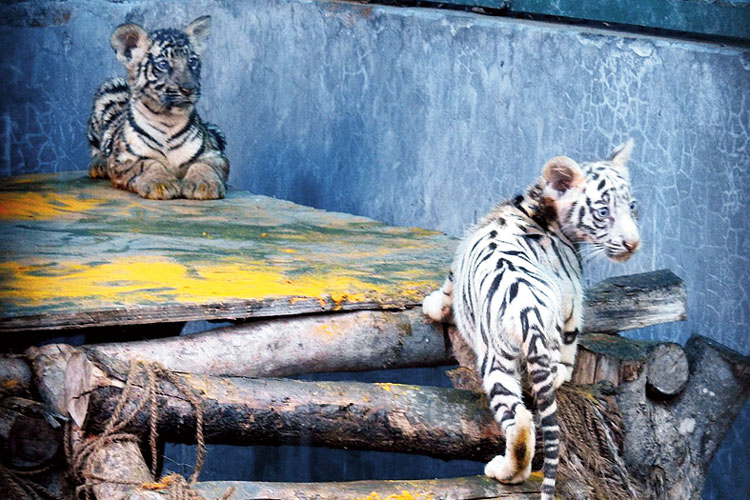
x=426, y=118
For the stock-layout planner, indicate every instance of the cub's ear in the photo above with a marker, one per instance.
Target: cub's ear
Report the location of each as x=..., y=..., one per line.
x=130, y=42
x=562, y=174
x=198, y=32
x=621, y=155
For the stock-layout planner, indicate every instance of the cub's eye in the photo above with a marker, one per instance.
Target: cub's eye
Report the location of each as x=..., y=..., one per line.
x=194, y=62
x=633, y=206
x=602, y=213
x=161, y=65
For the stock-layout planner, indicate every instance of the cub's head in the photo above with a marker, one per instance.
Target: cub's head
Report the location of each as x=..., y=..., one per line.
x=594, y=202
x=164, y=67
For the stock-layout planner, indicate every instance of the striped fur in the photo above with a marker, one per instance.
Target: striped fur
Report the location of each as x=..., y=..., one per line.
x=515, y=293
x=145, y=134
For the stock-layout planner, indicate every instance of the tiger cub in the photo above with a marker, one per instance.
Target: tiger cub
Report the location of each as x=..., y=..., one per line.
x=516, y=295
x=145, y=134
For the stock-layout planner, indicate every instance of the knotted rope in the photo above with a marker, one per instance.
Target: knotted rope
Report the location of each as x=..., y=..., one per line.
x=174, y=485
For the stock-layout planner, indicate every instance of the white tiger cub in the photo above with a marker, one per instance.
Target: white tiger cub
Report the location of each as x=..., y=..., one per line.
x=516, y=294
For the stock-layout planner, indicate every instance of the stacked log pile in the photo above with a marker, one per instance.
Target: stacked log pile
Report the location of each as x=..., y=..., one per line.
x=225, y=386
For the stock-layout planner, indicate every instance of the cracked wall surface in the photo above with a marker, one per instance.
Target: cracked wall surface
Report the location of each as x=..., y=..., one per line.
x=427, y=118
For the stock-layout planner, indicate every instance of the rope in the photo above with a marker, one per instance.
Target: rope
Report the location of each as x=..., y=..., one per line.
x=174, y=485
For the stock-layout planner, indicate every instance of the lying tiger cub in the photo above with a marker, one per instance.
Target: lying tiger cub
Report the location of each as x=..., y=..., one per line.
x=145, y=134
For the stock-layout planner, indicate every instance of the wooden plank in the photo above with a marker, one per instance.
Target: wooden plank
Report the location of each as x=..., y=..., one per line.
x=76, y=252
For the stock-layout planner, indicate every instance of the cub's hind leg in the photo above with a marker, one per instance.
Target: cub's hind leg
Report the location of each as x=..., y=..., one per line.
x=542, y=351
x=501, y=383
x=438, y=304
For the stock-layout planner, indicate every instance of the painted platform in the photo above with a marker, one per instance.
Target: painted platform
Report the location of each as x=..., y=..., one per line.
x=75, y=252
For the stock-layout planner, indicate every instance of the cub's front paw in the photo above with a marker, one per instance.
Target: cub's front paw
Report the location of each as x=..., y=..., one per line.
x=98, y=169
x=201, y=182
x=158, y=188
x=202, y=189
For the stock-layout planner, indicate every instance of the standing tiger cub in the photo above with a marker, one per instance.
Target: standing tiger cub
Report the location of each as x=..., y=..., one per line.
x=516, y=294
x=145, y=134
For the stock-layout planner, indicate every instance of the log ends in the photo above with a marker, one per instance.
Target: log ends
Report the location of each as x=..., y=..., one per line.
x=667, y=370
x=618, y=360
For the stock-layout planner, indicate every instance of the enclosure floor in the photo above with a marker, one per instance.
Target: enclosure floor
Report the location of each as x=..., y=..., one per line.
x=76, y=252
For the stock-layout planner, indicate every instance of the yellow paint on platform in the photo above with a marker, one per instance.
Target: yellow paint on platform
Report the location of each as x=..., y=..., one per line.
x=137, y=280
x=41, y=206
x=128, y=252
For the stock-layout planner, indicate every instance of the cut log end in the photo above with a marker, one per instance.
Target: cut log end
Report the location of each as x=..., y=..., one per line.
x=667, y=372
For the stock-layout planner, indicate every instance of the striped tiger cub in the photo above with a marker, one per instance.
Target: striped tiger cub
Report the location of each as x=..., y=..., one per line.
x=145, y=134
x=516, y=295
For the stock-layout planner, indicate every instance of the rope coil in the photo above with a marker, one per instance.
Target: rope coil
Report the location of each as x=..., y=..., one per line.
x=175, y=486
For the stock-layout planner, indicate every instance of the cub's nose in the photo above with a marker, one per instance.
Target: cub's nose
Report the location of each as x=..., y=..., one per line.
x=187, y=89
x=631, y=245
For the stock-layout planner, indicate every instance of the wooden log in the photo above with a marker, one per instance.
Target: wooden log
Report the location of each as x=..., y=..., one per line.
x=440, y=422
x=669, y=443
x=464, y=488
x=634, y=301
x=49, y=364
x=29, y=436
x=369, y=340
x=363, y=340
x=114, y=469
x=15, y=376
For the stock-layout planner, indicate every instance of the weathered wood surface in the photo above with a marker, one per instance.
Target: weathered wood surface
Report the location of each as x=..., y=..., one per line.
x=345, y=341
x=112, y=469
x=440, y=422
x=670, y=441
x=15, y=376
x=76, y=252
x=634, y=301
x=29, y=436
x=463, y=488
x=619, y=360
